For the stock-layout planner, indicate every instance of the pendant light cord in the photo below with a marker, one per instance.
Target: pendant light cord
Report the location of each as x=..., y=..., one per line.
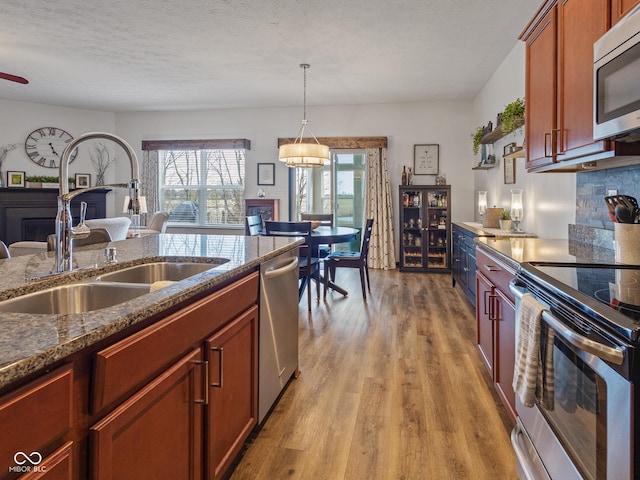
x=304, y=67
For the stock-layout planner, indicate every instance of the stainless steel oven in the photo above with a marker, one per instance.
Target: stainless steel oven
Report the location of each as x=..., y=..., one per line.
x=590, y=427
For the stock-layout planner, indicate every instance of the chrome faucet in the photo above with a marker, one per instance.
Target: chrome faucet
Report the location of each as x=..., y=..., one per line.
x=65, y=232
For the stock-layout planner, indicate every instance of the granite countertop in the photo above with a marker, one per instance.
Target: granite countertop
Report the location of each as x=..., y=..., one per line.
x=480, y=231
x=519, y=250
x=30, y=342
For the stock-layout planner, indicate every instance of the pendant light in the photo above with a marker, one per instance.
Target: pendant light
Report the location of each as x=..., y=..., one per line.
x=299, y=154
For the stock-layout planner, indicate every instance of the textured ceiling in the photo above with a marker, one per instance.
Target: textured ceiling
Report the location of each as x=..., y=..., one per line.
x=128, y=55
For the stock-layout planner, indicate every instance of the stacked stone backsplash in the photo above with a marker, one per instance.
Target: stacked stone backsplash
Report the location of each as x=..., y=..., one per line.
x=593, y=225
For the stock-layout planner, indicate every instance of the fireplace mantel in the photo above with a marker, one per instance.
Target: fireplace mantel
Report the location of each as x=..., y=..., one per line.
x=30, y=213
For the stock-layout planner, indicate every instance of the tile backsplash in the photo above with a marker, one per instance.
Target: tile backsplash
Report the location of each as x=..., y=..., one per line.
x=593, y=225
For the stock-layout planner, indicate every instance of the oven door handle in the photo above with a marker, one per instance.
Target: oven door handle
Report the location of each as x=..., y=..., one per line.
x=610, y=354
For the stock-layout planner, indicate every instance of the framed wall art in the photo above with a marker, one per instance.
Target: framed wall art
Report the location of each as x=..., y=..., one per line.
x=83, y=180
x=425, y=159
x=266, y=174
x=15, y=179
x=509, y=171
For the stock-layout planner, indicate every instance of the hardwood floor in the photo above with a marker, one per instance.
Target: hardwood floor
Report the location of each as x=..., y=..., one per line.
x=391, y=389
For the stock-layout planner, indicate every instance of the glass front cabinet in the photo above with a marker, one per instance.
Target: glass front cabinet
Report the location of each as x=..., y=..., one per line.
x=425, y=228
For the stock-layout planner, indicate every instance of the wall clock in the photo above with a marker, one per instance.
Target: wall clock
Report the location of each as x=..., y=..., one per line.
x=44, y=146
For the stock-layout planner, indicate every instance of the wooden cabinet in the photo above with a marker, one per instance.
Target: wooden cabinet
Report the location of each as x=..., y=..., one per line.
x=495, y=316
x=425, y=228
x=464, y=261
x=57, y=466
x=232, y=356
x=619, y=8
x=196, y=366
x=157, y=433
x=559, y=81
x=34, y=420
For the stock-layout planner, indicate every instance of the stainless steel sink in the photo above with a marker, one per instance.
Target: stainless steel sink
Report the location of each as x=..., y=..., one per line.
x=74, y=298
x=159, y=272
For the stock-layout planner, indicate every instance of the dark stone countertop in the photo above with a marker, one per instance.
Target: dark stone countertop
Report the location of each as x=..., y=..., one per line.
x=30, y=342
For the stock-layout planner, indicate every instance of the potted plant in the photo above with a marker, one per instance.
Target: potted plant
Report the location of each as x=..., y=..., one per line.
x=513, y=116
x=505, y=220
x=477, y=136
x=46, y=181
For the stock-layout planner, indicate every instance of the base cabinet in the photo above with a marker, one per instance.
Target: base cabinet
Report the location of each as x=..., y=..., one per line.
x=464, y=261
x=233, y=391
x=495, y=317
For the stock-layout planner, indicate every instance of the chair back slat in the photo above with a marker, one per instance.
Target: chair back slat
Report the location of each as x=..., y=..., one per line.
x=323, y=218
x=366, y=238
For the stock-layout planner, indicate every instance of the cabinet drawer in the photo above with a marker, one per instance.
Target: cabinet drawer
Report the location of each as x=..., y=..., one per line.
x=57, y=466
x=34, y=416
x=497, y=271
x=129, y=364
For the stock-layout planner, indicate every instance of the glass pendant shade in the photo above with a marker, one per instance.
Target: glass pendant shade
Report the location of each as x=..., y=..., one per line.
x=482, y=202
x=516, y=208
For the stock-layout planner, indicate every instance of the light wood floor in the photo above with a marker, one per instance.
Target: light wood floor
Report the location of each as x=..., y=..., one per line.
x=391, y=389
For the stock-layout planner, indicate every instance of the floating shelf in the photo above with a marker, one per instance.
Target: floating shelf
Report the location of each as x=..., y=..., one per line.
x=496, y=134
x=484, y=166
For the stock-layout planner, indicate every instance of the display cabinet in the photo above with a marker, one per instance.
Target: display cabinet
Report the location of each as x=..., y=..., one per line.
x=425, y=228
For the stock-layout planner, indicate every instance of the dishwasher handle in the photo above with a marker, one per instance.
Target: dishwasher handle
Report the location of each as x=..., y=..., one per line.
x=282, y=270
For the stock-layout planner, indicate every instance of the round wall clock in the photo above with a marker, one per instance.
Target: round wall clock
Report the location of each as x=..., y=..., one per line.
x=44, y=146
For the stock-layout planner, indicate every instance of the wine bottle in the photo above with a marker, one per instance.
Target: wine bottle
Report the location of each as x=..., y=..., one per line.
x=404, y=175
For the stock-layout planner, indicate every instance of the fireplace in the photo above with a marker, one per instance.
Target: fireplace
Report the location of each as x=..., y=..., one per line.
x=30, y=213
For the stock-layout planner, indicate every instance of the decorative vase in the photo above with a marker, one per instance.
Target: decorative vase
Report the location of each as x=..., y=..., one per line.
x=505, y=224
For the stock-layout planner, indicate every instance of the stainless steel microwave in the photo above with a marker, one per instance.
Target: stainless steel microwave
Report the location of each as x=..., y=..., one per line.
x=617, y=81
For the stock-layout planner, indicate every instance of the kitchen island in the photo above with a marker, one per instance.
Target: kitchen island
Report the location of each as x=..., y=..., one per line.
x=135, y=389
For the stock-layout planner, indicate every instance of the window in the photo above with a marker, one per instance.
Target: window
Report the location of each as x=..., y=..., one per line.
x=202, y=186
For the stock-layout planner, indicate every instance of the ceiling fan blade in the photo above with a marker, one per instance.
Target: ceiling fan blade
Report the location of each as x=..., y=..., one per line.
x=14, y=78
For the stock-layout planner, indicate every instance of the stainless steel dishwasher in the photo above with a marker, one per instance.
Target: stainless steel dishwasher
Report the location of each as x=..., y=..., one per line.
x=278, y=328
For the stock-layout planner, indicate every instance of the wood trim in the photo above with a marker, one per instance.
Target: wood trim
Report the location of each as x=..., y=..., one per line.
x=230, y=143
x=535, y=21
x=342, y=142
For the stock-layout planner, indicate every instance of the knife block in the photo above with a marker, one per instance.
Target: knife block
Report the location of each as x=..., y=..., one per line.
x=492, y=217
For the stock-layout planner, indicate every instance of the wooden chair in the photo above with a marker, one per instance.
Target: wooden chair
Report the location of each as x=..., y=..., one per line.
x=309, y=266
x=324, y=219
x=253, y=225
x=351, y=260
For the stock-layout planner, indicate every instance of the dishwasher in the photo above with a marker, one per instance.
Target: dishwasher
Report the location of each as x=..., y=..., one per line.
x=278, y=328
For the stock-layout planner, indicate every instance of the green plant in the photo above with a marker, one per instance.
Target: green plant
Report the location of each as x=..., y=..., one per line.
x=513, y=116
x=46, y=179
x=505, y=215
x=477, y=136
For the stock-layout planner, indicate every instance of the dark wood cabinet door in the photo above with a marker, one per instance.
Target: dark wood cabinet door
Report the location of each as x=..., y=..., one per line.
x=580, y=24
x=484, y=316
x=57, y=466
x=619, y=8
x=506, y=350
x=232, y=354
x=157, y=433
x=540, y=91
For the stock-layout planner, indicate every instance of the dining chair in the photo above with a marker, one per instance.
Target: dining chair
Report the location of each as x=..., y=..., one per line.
x=158, y=222
x=253, y=225
x=357, y=260
x=4, y=251
x=96, y=235
x=324, y=219
x=309, y=266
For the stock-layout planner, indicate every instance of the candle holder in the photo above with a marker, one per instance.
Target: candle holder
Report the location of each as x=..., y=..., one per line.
x=482, y=204
x=516, y=208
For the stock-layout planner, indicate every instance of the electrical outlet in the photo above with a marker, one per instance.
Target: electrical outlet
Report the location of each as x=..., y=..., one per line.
x=611, y=193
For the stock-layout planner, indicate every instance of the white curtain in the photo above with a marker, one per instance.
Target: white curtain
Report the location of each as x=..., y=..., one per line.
x=378, y=205
x=149, y=180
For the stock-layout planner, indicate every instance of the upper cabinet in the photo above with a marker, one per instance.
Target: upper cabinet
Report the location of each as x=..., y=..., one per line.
x=559, y=84
x=619, y=8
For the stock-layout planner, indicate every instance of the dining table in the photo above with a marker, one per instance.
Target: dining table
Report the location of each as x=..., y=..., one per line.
x=329, y=235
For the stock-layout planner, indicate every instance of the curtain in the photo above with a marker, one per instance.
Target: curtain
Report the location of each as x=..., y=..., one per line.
x=149, y=180
x=378, y=205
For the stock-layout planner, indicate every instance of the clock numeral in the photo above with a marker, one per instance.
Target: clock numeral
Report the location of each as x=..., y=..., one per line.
x=31, y=146
x=33, y=155
x=41, y=161
x=52, y=164
x=52, y=130
x=41, y=132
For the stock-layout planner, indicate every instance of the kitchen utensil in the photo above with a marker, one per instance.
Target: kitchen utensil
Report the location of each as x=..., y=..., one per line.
x=611, y=206
x=635, y=210
x=623, y=214
x=626, y=200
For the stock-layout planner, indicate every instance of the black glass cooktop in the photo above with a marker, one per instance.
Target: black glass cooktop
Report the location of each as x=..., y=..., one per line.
x=608, y=292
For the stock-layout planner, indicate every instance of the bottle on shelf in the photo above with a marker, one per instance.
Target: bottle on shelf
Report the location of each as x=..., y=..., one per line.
x=404, y=175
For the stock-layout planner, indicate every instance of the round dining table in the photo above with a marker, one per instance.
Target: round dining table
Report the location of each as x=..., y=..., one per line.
x=327, y=235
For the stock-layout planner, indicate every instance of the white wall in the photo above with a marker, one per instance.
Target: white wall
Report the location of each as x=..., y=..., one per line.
x=549, y=198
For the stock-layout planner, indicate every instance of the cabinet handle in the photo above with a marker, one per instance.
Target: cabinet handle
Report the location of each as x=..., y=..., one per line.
x=220, y=375
x=492, y=268
x=487, y=292
x=205, y=376
x=492, y=308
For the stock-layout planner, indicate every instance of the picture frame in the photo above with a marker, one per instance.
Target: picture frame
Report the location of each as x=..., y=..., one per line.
x=15, y=179
x=266, y=174
x=83, y=180
x=426, y=159
x=509, y=171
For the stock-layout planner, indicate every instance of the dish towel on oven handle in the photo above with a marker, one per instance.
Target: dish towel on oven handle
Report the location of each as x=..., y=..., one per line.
x=533, y=376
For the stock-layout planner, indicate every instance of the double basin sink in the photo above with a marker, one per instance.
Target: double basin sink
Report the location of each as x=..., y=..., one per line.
x=106, y=290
